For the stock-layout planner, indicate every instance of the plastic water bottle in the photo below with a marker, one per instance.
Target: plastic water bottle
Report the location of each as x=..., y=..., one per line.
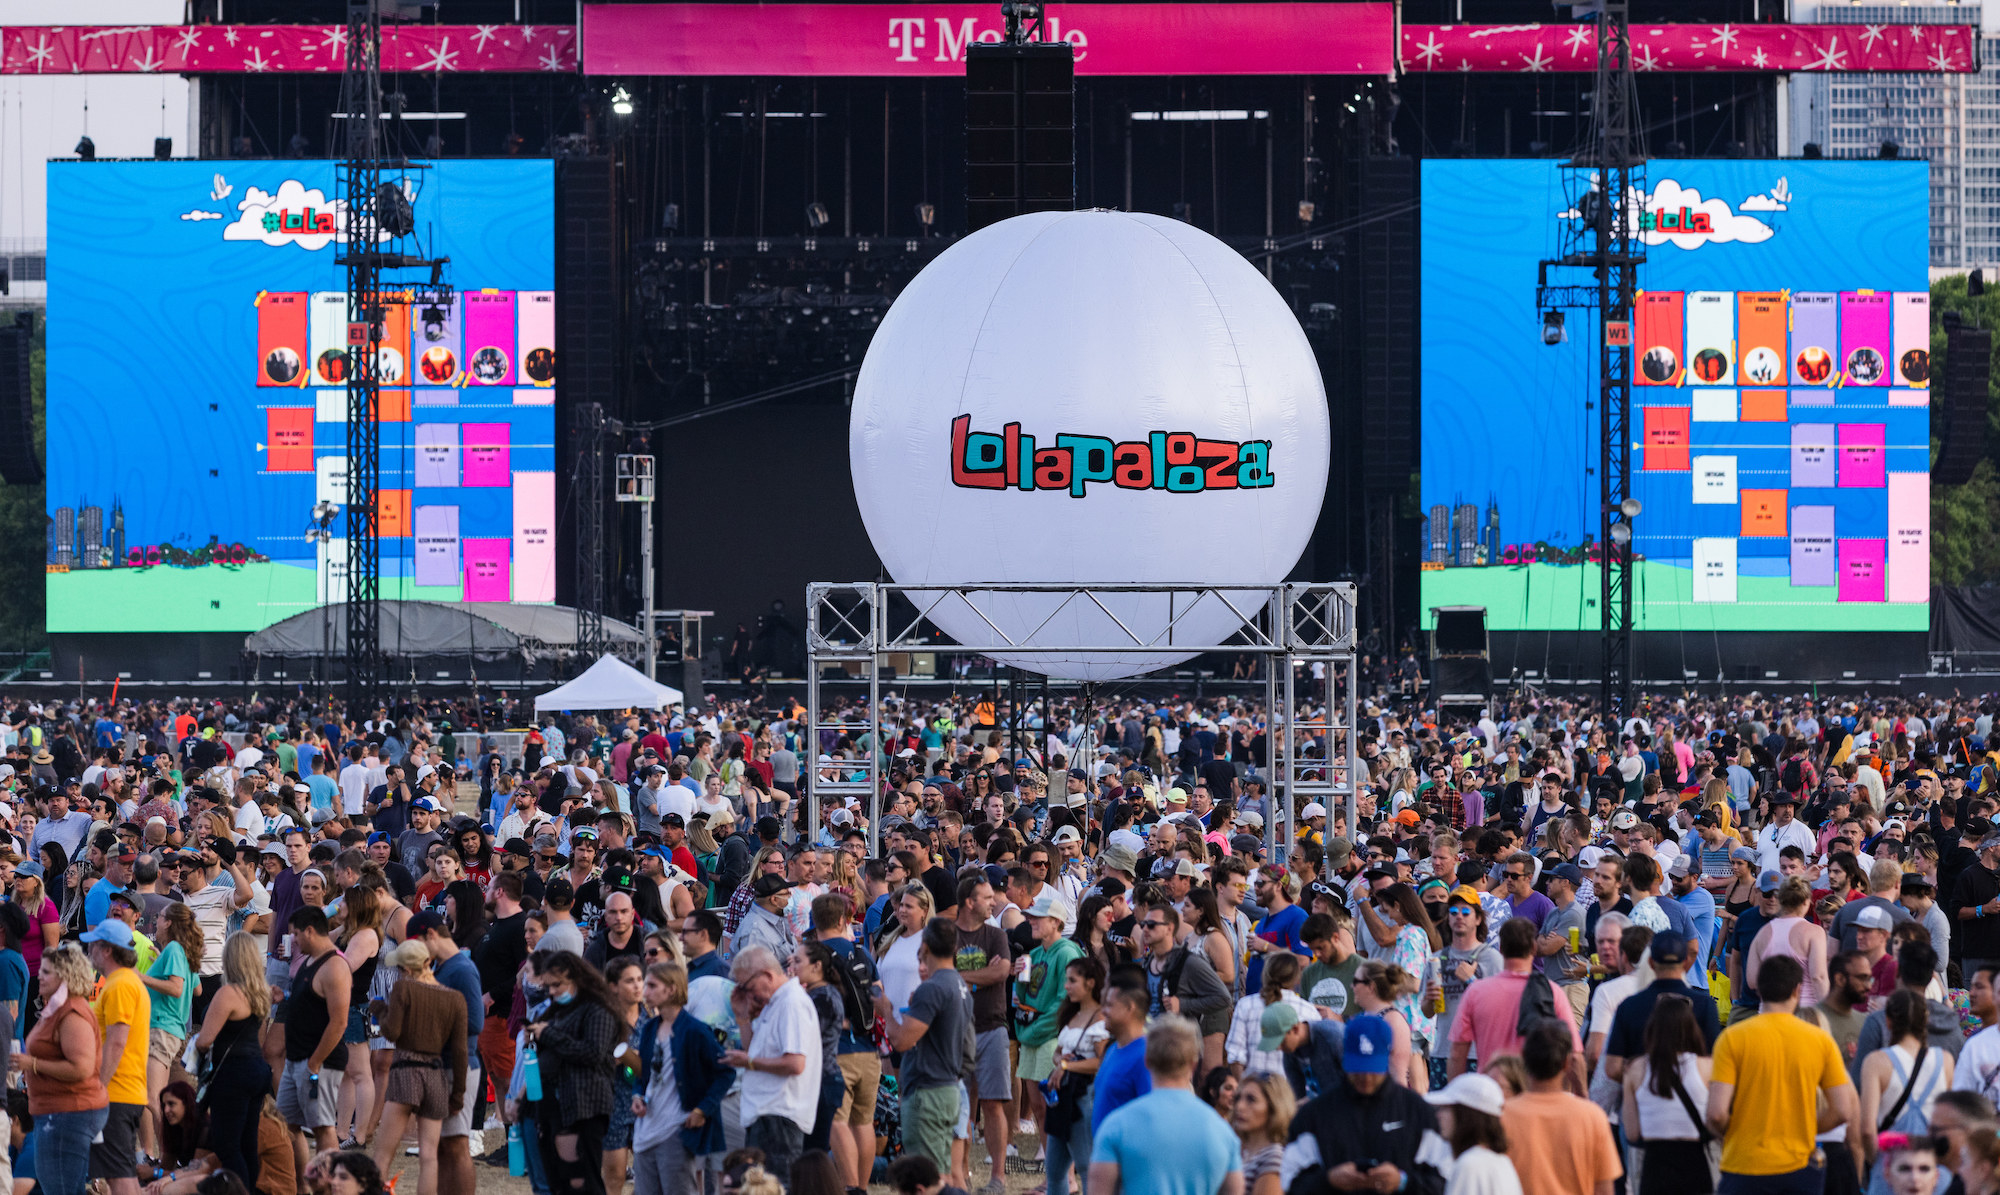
x=517, y=1152
x=531, y=1074
x=1051, y=1091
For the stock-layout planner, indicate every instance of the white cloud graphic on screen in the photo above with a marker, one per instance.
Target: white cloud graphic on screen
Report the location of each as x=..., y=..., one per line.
x=265, y=217
x=1725, y=225
x=198, y=214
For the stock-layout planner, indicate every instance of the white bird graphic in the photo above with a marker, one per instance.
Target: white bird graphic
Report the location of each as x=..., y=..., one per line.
x=220, y=190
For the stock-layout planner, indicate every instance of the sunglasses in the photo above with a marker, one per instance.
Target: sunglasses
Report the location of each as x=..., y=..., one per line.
x=1517, y=875
x=1465, y=909
x=1152, y=924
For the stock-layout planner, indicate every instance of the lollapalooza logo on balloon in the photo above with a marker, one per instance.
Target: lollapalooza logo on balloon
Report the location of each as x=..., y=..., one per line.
x=1178, y=462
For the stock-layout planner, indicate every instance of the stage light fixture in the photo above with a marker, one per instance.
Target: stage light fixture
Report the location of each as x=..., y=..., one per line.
x=1553, y=331
x=1812, y=152
x=163, y=148
x=670, y=220
x=1306, y=210
x=1889, y=150
x=86, y=148
x=1975, y=284
x=392, y=210
x=1621, y=533
x=1630, y=508
x=926, y=215
x=816, y=216
x=621, y=102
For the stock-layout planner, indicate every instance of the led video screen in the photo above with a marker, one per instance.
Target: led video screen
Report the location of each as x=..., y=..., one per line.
x=1780, y=409
x=198, y=355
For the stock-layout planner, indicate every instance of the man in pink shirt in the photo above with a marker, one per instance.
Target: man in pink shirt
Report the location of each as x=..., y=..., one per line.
x=1489, y=1013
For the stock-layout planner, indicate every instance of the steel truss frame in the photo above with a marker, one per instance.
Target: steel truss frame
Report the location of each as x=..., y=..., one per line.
x=1304, y=631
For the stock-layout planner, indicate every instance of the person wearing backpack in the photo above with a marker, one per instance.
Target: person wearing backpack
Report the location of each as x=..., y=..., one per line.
x=855, y=1050
x=1498, y=1012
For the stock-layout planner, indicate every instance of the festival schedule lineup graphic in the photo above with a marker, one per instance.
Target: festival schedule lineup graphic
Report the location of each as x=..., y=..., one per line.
x=197, y=366
x=1780, y=412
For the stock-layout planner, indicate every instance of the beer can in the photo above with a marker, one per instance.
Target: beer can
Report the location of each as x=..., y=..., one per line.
x=1575, y=938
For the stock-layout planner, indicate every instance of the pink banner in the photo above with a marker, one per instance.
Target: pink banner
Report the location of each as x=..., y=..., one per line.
x=913, y=40
x=487, y=569
x=487, y=456
x=278, y=49
x=1921, y=49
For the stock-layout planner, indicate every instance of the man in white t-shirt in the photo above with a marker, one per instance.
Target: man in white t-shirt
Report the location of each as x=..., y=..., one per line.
x=672, y=798
x=354, y=786
x=249, y=819
x=782, y=1069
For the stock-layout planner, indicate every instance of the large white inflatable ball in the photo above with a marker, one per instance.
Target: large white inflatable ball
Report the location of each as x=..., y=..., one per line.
x=1089, y=397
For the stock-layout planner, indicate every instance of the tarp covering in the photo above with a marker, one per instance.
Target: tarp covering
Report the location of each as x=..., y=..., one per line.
x=609, y=684
x=1965, y=619
x=485, y=630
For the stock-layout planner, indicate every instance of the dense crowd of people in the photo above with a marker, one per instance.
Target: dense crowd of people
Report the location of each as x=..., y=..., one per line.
x=1720, y=944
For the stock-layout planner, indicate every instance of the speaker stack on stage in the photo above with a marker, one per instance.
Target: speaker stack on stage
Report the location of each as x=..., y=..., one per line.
x=1020, y=130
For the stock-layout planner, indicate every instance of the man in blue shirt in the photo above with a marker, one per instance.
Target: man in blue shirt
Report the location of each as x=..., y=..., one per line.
x=1167, y=1142
x=117, y=878
x=1122, y=1076
x=1685, y=874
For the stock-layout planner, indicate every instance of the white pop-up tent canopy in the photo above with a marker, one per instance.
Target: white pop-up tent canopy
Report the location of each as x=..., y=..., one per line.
x=609, y=684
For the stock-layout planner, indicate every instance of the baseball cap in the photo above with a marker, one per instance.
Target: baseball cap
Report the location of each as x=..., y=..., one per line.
x=30, y=867
x=111, y=932
x=1119, y=857
x=1067, y=834
x=1874, y=917
x=1407, y=817
x=1364, y=1048
x=1048, y=904
x=583, y=833
x=517, y=846
x=1079, y=774
x=1250, y=819
x=1277, y=1021
x=1464, y=894
x=1246, y=844
x=423, y=923
x=425, y=805
x=1769, y=881
x=379, y=836
x=1624, y=819
x=769, y=885
x=1312, y=809
x=1470, y=1090
x=1681, y=866
x=1568, y=871
x=1671, y=946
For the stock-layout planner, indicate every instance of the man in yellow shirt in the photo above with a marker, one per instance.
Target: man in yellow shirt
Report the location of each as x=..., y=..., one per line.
x=125, y=1016
x=1764, y=1094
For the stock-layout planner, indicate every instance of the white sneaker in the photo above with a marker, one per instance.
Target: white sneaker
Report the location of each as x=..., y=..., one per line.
x=1026, y=1128
x=477, y=1139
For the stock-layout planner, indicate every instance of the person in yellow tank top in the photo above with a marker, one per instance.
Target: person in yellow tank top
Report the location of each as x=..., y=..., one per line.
x=1763, y=1097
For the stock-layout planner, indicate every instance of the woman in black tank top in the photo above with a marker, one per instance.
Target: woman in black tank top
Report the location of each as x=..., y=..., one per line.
x=360, y=944
x=234, y=1075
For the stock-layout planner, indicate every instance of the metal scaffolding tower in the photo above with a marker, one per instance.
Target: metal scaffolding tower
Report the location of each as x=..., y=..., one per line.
x=1604, y=183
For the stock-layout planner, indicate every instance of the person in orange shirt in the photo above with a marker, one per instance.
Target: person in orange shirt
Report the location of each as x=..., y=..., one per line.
x=1560, y=1144
x=124, y=1015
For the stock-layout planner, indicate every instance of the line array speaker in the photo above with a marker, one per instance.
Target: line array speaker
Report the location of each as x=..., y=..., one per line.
x=1020, y=130
x=1968, y=357
x=1388, y=263
x=588, y=311
x=18, y=463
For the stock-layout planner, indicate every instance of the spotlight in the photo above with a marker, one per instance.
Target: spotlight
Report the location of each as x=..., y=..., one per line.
x=621, y=102
x=392, y=210
x=432, y=320
x=1975, y=284
x=1553, y=332
x=1812, y=152
x=926, y=214
x=163, y=148
x=816, y=216
x=670, y=220
x=1630, y=508
x=1306, y=210
x=1621, y=533
x=1889, y=150
x=86, y=148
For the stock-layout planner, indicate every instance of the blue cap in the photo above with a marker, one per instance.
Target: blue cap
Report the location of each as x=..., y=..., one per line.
x=1670, y=946
x=1364, y=1047
x=1769, y=881
x=111, y=932
x=1568, y=871
x=30, y=868
x=377, y=836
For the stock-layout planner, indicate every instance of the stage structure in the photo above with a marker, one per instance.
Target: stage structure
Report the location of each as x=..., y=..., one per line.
x=1305, y=631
